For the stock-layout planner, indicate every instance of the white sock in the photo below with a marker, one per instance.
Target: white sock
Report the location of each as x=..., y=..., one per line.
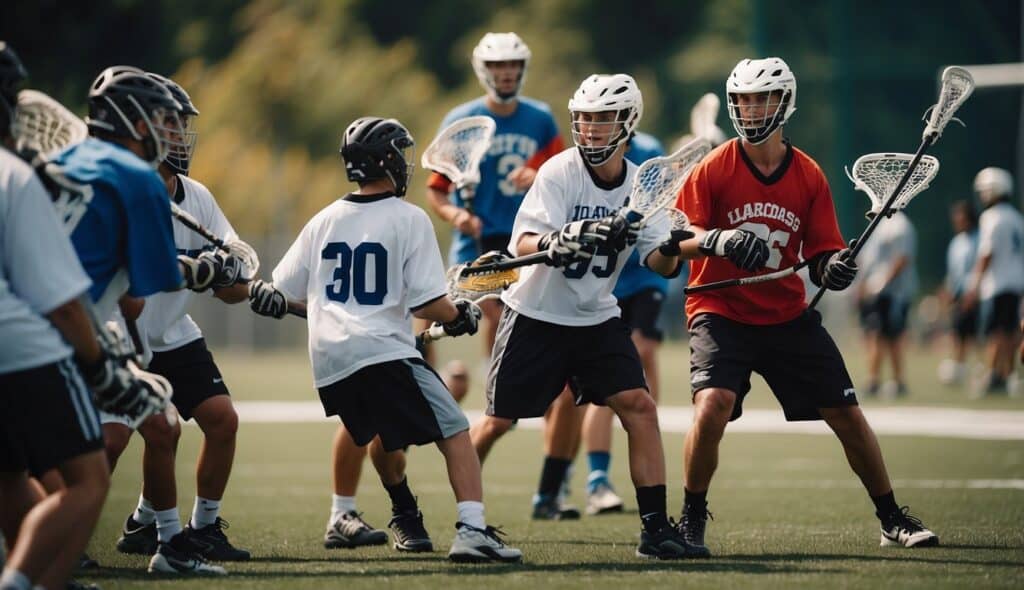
x=204, y=512
x=472, y=513
x=12, y=579
x=340, y=505
x=144, y=513
x=168, y=524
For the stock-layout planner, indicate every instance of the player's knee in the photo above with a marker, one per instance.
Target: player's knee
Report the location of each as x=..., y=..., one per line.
x=492, y=427
x=634, y=404
x=159, y=435
x=714, y=404
x=115, y=440
x=223, y=426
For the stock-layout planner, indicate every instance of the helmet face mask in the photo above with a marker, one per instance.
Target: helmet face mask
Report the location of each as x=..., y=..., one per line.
x=605, y=111
x=374, y=148
x=761, y=97
x=491, y=54
x=181, y=139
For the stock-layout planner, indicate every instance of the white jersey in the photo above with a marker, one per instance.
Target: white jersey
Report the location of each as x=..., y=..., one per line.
x=894, y=239
x=960, y=259
x=164, y=322
x=39, y=270
x=581, y=294
x=1001, y=236
x=361, y=265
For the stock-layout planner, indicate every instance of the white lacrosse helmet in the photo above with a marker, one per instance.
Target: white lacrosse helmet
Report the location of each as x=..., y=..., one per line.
x=992, y=184
x=753, y=76
x=499, y=47
x=603, y=93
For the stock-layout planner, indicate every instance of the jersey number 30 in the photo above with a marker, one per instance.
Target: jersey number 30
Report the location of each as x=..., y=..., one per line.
x=350, y=275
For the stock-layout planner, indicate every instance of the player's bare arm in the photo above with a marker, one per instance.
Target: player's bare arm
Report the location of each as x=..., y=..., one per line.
x=462, y=220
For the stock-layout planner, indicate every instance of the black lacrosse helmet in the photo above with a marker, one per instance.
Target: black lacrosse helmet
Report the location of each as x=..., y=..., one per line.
x=179, y=156
x=12, y=74
x=375, y=148
x=122, y=95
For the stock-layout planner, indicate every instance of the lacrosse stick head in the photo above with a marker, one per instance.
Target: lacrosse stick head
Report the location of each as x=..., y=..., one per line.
x=247, y=255
x=477, y=286
x=704, y=117
x=878, y=174
x=658, y=180
x=458, y=149
x=42, y=126
x=957, y=85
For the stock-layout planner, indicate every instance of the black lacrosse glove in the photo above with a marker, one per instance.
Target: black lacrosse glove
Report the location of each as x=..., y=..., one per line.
x=467, y=321
x=118, y=390
x=839, y=271
x=622, y=233
x=266, y=300
x=744, y=249
x=576, y=241
x=229, y=272
x=207, y=270
x=670, y=247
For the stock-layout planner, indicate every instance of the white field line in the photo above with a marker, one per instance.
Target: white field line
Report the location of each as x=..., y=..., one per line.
x=908, y=421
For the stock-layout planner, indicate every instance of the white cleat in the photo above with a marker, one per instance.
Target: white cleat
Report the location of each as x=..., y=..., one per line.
x=907, y=531
x=603, y=500
x=473, y=545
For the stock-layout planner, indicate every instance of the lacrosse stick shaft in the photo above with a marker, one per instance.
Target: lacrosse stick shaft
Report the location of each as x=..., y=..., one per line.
x=747, y=280
x=870, y=229
x=528, y=260
x=186, y=219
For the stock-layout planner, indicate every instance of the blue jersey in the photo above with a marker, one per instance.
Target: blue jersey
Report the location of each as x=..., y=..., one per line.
x=117, y=212
x=527, y=137
x=635, y=277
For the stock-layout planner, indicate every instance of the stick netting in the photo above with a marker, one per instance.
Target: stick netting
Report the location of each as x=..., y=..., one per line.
x=456, y=151
x=878, y=174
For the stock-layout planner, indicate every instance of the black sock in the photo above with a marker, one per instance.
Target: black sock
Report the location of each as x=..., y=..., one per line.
x=552, y=476
x=694, y=500
x=651, y=502
x=402, y=499
x=885, y=506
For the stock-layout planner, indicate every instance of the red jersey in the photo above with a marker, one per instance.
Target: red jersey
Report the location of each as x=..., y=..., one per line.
x=792, y=210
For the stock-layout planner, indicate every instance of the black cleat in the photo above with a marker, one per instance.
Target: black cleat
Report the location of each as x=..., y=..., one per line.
x=181, y=556
x=553, y=510
x=409, y=533
x=137, y=538
x=691, y=528
x=214, y=544
x=901, y=529
x=351, y=531
x=667, y=543
x=87, y=563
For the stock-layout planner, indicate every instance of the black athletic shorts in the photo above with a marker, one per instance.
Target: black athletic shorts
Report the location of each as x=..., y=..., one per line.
x=192, y=373
x=640, y=312
x=403, y=401
x=46, y=418
x=965, y=323
x=533, y=360
x=798, y=359
x=884, y=315
x=1001, y=313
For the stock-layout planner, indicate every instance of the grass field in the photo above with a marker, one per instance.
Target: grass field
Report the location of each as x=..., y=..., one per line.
x=788, y=512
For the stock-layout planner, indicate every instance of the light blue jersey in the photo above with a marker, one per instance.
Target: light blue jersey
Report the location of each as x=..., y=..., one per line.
x=960, y=257
x=527, y=137
x=117, y=212
x=635, y=277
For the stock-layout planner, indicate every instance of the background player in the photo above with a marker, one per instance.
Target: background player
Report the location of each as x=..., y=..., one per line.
x=362, y=265
x=561, y=323
x=758, y=203
x=884, y=293
x=996, y=282
x=180, y=355
x=960, y=257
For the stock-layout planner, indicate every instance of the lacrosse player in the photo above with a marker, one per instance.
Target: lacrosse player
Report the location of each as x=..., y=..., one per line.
x=561, y=323
x=526, y=135
x=361, y=266
x=960, y=257
x=179, y=353
x=117, y=211
x=757, y=202
x=884, y=292
x=996, y=282
x=50, y=361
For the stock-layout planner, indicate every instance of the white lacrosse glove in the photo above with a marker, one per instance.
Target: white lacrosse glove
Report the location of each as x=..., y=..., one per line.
x=120, y=387
x=575, y=241
x=467, y=321
x=744, y=249
x=266, y=300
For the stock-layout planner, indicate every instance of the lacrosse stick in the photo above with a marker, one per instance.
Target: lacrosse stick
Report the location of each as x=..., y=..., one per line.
x=957, y=86
x=703, y=119
x=656, y=184
x=42, y=126
x=474, y=287
x=456, y=152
